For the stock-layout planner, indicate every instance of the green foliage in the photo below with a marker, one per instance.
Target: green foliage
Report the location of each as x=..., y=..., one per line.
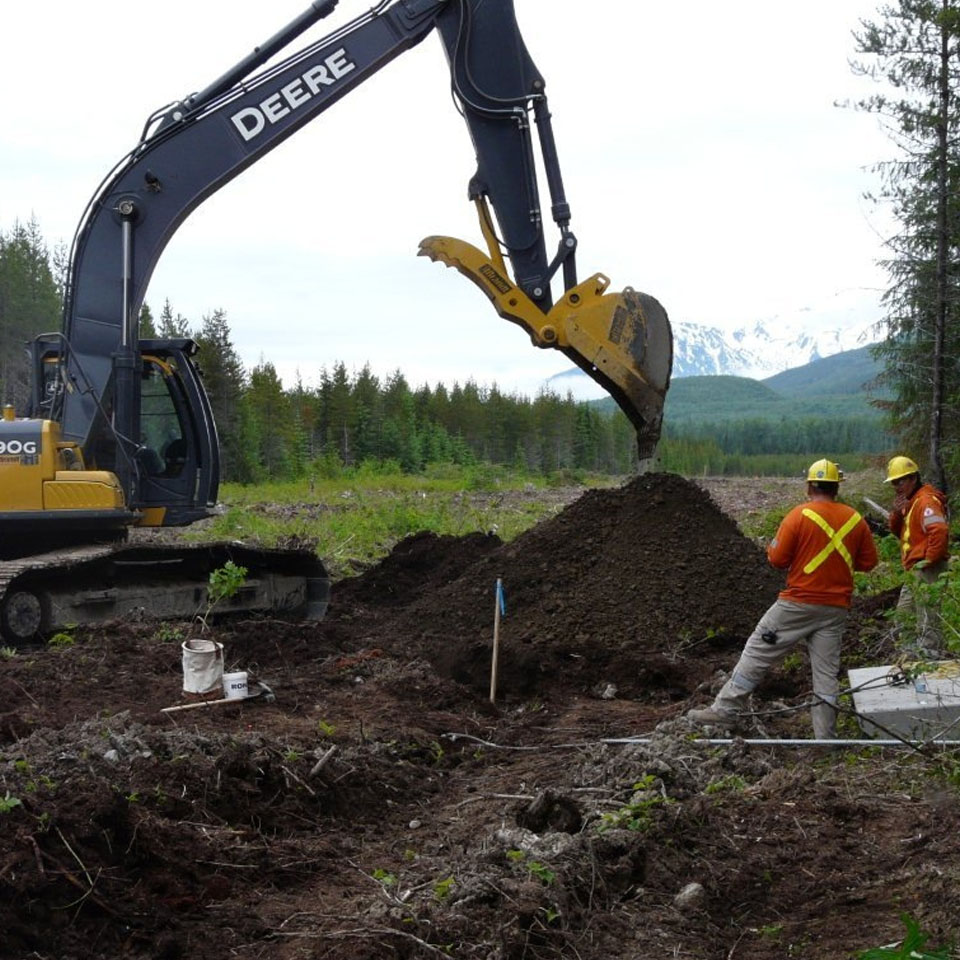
x=942, y=599
x=911, y=49
x=912, y=947
x=384, y=877
x=357, y=518
x=638, y=813
x=166, y=633
x=224, y=583
x=224, y=379
x=543, y=873
x=7, y=653
x=792, y=663
x=728, y=784
x=8, y=803
x=443, y=888
x=536, y=869
x=29, y=304
x=732, y=425
x=61, y=640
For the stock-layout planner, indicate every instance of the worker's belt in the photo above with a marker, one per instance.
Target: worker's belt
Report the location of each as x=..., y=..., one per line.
x=835, y=542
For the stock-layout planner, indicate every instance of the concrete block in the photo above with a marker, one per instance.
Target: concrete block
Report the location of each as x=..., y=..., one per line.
x=926, y=707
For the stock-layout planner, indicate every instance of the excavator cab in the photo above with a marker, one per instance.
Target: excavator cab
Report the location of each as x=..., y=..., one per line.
x=174, y=467
x=178, y=458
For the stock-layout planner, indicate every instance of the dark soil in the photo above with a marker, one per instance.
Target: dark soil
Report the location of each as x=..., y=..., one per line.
x=372, y=802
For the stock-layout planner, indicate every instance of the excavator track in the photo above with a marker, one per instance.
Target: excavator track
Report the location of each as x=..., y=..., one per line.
x=80, y=586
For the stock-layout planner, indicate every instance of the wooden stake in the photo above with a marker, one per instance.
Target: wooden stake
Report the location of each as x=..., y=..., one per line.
x=496, y=641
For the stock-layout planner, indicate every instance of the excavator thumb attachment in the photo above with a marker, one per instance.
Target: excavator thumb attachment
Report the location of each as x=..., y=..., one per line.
x=621, y=340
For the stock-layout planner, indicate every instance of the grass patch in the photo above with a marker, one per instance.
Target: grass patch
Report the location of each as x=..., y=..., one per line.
x=355, y=518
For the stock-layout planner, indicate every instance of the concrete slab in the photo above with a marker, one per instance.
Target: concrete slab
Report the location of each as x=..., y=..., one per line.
x=923, y=708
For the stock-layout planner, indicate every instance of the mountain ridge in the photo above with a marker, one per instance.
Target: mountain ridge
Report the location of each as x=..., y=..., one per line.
x=752, y=351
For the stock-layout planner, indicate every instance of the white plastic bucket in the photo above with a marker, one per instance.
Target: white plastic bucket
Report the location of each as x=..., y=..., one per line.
x=235, y=685
x=202, y=666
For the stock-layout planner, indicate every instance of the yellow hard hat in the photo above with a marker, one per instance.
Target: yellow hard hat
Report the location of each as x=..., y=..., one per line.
x=824, y=471
x=900, y=467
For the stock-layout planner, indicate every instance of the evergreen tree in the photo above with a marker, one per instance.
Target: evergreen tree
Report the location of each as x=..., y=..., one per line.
x=305, y=412
x=368, y=413
x=173, y=326
x=270, y=409
x=224, y=380
x=340, y=414
x=147, y=328
x=915, y=50
x=30, y=300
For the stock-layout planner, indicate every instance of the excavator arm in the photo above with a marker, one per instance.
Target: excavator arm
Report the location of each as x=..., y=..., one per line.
x=192, y=147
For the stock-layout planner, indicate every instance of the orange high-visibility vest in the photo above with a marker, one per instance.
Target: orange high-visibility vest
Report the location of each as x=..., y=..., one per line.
x=821, y=544
x=924, y=533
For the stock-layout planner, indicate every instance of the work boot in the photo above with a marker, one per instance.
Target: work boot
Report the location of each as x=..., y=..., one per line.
x=709, y=716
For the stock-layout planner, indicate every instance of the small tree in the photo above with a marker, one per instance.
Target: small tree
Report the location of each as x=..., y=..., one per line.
x=224, y=583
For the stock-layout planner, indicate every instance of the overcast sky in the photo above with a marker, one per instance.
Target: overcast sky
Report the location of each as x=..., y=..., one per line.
x=703, y=157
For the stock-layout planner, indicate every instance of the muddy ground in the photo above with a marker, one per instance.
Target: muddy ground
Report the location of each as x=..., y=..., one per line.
x=372, y=802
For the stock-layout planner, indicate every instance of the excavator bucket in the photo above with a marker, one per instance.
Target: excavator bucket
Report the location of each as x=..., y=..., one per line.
x=621, y=340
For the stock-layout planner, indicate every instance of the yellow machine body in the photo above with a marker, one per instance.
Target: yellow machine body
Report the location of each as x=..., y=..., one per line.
x=39, y=472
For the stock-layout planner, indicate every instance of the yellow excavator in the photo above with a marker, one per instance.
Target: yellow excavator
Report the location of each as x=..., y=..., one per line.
x=120, y=433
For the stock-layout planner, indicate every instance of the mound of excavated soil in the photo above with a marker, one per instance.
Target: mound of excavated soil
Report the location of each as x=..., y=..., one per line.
x=620, y=580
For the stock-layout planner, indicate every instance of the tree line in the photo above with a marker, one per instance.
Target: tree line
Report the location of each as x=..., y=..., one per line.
x=913, y=50
x=271, y=431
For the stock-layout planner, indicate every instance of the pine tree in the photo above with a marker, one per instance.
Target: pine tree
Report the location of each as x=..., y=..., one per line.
x=915, y=50
x=147, y=328
x=173, y=326
x=224, y=380
x=29, y=304
x=271, y=410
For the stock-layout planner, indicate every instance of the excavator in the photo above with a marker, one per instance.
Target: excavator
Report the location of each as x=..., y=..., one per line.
x=119, y=432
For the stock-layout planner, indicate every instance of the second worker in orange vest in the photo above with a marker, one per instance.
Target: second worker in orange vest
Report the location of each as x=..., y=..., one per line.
x=820, y=543
x=919, y=520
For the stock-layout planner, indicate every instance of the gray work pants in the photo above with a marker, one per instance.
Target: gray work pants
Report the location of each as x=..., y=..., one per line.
x=821, y=627
x=925, y=638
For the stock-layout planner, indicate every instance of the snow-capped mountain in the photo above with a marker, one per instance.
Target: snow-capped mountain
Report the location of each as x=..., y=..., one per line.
x=757, y=350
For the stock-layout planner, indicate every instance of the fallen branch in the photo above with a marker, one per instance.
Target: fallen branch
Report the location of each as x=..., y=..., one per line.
x=366, y=933
x=36, y=855
x=305, y=786
x=322, y=762
x=88, y=892
x=73, y=853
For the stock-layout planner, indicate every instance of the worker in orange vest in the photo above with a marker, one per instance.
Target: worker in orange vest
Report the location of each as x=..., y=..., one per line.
x=919, y=520
x=820, y=543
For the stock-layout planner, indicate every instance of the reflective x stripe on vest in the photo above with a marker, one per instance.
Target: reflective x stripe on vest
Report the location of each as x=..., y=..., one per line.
x=905, y=542
x=835, y=542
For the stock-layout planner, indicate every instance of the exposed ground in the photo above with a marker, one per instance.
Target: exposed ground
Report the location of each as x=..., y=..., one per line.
x=379, y=805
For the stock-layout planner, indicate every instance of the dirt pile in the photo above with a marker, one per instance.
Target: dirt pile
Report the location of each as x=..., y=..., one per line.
x=618, y=581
